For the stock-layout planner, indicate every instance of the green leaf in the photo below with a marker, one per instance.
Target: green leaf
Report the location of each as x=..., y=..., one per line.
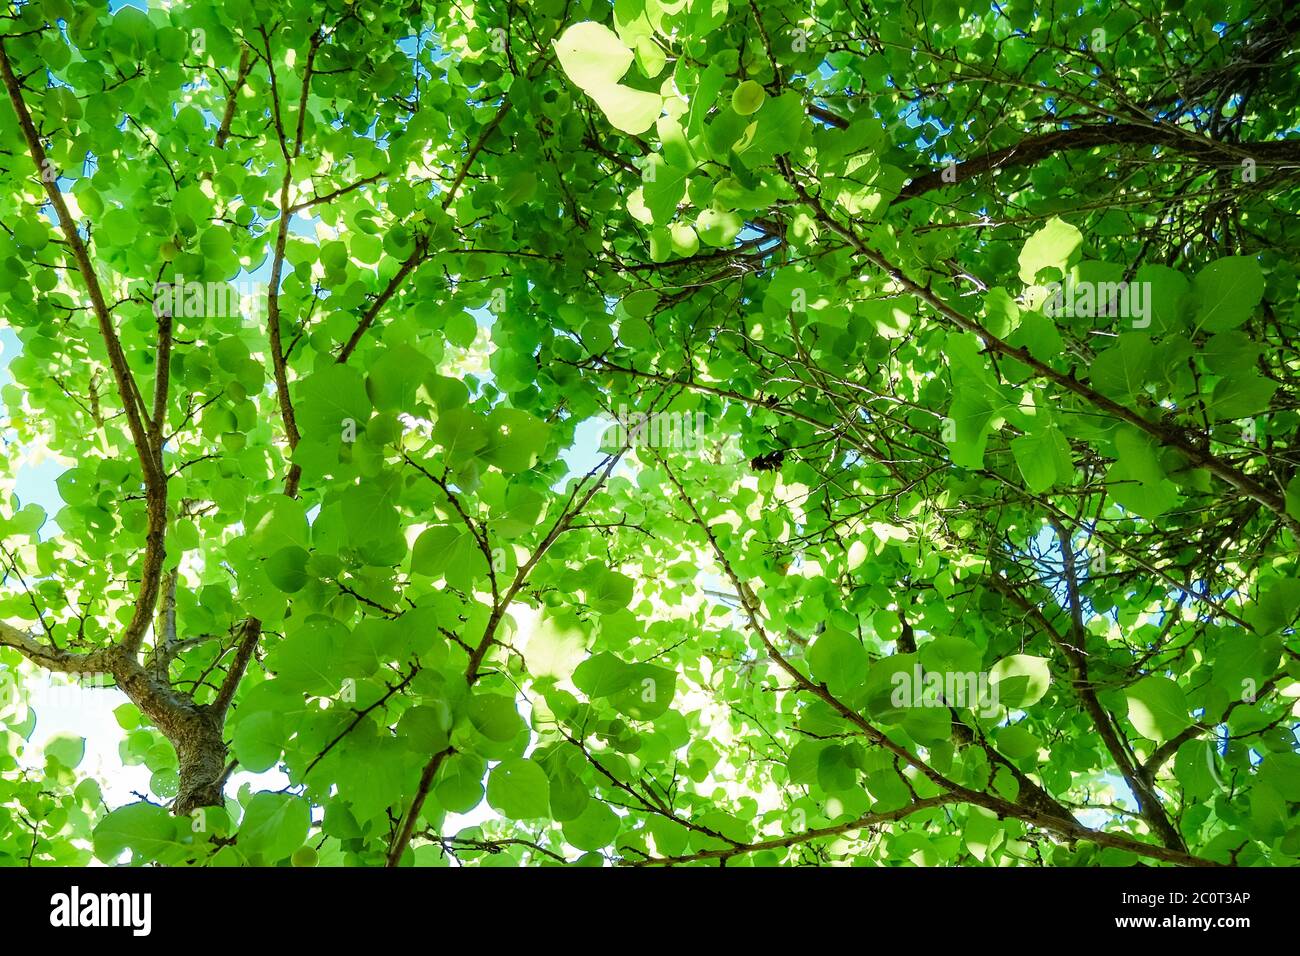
x=950, y=655
x=274, y=825
x=1137, y=480
x=1227, y=292
x=594, y=58
x=835, y=773
x=601, y=675
x=649, y=693
x=443, y=547
x=718, y=227
x=1157, y=708
x=569, y=797
x=67, y=749
x=971, y=417
x=305, y=658
x=258, y=740
x=1121, y=370
x=283, y=525
x=663, y=189
x=459, y=784
x=128, y=716
x=369, y=510
x=287, y=568
x=514, y=439
x=495, y=716
x=1017, y=743
x=372, y=772
x=1194, y=766
x=1276, y=606
x=556, y=646
x=1281, y=772
x=629, y=110
x=329, y=399
x=1055, y=246
x=1044, y=459
x=27, y=520
x=147, y=830
x=595, y=828
x=1241, y=395
x=592, y=55
x=461, y=433
x=1168, y=292
x=424, y=728
x=610, y=592
x=778, y=127
x=518, y=790
x=1020, y=681
x=804, y=760
x=396, y=377
x=838, y=660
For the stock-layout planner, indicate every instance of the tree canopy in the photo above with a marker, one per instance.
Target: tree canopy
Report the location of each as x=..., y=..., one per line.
x=667, y=432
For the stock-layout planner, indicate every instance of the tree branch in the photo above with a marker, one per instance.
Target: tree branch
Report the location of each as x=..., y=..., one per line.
x=1279, y=154
x=1164, y=434
x=149, y=455
x=1003, y=808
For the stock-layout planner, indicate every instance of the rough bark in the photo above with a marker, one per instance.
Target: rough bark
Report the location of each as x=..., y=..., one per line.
x=192, y=729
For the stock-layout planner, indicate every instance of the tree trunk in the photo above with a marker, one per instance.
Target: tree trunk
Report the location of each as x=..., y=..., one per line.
x=201, y=752
x=194, y=732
